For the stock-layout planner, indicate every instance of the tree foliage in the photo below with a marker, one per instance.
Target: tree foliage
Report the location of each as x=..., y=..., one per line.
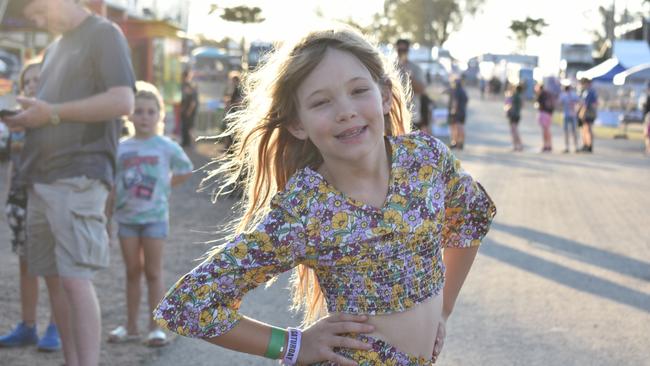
x=428, y=22
x=605, y=33
x=241, y=14
x=524, y=29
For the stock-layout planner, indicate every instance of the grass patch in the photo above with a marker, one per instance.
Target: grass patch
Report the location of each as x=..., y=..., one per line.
x=634, y=131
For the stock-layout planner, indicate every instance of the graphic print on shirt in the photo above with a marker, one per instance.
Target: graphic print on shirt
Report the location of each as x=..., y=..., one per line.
x=139, y=177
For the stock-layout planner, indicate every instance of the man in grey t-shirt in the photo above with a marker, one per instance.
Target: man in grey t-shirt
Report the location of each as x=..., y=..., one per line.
x=412, y=74
x=68, y=162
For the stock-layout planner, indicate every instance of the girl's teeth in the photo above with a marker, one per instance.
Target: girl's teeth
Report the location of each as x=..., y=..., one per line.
x=352, y=133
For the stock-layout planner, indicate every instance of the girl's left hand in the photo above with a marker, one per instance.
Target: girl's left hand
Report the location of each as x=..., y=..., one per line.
x=440, y=339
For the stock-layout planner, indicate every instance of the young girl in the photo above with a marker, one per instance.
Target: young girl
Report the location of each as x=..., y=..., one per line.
x=569, y=100
x=16, y=209
x=335, y=189
x=512, y=107
x=544, y=104
x=148, y=166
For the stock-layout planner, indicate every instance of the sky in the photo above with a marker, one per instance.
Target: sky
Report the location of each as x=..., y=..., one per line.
x=570, y=21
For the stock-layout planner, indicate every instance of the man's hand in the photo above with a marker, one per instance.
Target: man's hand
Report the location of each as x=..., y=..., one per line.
x=35, y=113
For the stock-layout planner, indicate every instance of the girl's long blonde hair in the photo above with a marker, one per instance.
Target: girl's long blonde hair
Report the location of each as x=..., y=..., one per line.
x=265, y=154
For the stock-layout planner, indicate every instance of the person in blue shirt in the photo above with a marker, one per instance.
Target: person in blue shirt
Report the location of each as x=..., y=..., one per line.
x=569, y=100
x=587, y=113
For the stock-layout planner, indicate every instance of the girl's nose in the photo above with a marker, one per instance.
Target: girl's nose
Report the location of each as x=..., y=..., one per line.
x=345, y=111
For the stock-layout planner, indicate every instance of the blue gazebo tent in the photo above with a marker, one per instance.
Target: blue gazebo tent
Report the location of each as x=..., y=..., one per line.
x=626, y=54
x=603, y=72
x=639, y=74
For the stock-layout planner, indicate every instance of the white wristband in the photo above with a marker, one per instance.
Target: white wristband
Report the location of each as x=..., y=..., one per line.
x=293, y=346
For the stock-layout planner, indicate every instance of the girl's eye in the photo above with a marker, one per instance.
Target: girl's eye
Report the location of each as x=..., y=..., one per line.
x=318, y=103
x=359, y=90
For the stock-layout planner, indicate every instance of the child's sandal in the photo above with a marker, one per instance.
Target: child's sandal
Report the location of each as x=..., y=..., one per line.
x=120, y=335
x=156, y=338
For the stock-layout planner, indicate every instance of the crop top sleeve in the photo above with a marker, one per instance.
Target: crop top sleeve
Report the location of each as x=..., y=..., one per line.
x=469, y=210
x=204, y=303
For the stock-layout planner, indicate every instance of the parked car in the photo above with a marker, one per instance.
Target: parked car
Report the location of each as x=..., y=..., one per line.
x=434, y=72
x=256, y=53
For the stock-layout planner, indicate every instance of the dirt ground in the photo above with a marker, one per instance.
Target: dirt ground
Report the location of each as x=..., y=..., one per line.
x=193, y=222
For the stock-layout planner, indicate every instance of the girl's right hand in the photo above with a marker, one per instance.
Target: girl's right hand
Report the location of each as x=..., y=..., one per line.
x=319, y=340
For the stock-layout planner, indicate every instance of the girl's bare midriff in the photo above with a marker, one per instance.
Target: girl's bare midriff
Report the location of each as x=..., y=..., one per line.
x=412, y=331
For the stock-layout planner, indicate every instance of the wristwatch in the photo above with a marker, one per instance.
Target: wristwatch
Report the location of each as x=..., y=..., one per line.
x=54, y=116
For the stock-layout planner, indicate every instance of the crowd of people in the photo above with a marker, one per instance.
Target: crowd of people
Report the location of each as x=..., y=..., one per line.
x=579, y=113
x=582, y=109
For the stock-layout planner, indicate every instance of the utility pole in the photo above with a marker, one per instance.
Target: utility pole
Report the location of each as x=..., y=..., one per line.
x=3, y=7
x=610, y=25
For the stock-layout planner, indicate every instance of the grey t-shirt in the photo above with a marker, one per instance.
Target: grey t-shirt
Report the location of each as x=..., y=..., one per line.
x=412, y=70
x=83, y=62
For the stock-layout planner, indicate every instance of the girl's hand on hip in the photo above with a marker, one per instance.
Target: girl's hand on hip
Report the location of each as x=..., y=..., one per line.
x=319, y=340
x=440, y=339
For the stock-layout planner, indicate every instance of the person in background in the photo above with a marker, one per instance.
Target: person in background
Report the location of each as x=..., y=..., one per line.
x=513, y=106
x=569, y=100
x=25, y=332
x=337, y=189
x=414, y=80
x=72, y=128
x=482, y=85
x=233, y=104
x=646, y=118
x=457, y=114
x=148, y=166
x=189, y=107
x=545, y=106
x=587, y=113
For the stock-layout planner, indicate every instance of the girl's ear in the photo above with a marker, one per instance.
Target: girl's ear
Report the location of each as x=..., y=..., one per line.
x=296, y=129
x=386, y=95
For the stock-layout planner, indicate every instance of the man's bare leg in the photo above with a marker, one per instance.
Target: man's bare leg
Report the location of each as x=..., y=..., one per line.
x=85, y=319
x=61, y=311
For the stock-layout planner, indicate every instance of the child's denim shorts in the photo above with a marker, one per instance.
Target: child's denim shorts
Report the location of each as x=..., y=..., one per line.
x=155, y=230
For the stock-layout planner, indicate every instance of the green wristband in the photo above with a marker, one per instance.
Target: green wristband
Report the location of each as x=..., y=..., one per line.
x=276, y=343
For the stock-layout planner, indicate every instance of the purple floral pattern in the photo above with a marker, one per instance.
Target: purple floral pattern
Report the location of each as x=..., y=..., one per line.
x=369, y=260
x=381, y=354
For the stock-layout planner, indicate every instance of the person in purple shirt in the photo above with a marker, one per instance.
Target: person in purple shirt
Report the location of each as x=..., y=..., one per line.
x=338, y=189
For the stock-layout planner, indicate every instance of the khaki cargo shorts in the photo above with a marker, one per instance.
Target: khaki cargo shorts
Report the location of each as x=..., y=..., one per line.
x=66, y=228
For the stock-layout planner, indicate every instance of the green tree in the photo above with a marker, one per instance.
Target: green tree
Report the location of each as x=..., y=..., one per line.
x=428, y=22
x=524, y=29
x=604, y=35
x=241, y=14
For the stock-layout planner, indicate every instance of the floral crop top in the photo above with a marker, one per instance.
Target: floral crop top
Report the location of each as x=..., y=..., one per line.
x=368, y=260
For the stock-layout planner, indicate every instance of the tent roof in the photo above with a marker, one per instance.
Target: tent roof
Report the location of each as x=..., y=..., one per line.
x=639, y=74
x=604, y=72
x=631, y=53
x=210, y=52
